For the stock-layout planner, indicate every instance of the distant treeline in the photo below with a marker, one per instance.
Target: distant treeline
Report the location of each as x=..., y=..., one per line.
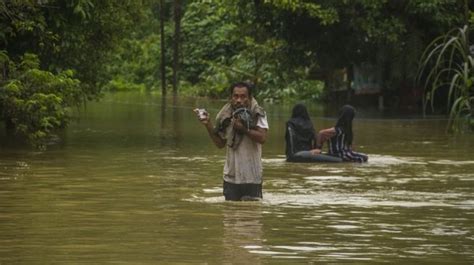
x=55, y=55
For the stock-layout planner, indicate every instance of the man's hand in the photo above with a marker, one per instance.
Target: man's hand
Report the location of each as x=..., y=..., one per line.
x=257, y=134
x=205, y=120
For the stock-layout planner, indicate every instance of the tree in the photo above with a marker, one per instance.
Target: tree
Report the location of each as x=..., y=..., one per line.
x=34, y=102
x=53, y=56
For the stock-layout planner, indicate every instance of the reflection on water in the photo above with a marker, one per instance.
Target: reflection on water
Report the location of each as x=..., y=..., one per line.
x=170, y=125
x=242, y=233
x=137, y=181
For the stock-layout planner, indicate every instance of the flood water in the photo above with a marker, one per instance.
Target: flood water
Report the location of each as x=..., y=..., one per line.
x=135, y=182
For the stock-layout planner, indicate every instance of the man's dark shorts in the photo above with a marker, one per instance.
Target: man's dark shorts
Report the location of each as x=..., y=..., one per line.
x=242, y=192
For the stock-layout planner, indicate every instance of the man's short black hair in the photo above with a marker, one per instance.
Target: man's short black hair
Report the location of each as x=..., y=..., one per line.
x=247, y=85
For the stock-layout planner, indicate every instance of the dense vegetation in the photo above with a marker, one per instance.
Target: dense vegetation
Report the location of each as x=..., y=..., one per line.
x=448, y=66
x=55, y=55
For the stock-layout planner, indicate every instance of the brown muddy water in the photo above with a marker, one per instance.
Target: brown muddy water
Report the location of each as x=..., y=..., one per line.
x=135, y=182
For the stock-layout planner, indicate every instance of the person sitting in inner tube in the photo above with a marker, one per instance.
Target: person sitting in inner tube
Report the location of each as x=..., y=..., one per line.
x=340, y=137
x=300, y=138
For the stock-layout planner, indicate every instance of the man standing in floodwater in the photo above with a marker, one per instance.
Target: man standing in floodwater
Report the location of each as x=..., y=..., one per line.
x=241, y=127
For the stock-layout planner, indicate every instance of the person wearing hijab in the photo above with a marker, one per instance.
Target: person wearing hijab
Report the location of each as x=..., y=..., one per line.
x=340, y=137
x=300, y=138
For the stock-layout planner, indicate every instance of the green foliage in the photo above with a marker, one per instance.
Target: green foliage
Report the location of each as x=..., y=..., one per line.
x=210, y=36
x=90, y=34
x=304, y=89
x=136, y=62
x=448, y=64
x=283, y=45
x=326, y=15
x=288, y=48
x=256, y=62
x=36, y=102
x=236, y=48
x=118, y=85
x=44, y=39
x=71, y=34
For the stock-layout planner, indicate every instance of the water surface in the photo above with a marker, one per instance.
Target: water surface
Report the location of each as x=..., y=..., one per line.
x=134, y=181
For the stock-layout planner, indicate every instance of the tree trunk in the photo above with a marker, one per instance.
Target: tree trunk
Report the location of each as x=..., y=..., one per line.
x=162, y=37
x=176, y=44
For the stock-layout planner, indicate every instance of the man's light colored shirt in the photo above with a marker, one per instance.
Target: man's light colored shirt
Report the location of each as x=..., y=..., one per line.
x=244, y=164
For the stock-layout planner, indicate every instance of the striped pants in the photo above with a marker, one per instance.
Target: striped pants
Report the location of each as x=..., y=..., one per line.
x=351, y=156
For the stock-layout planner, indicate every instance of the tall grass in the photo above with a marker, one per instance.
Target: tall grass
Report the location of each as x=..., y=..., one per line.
x=448, y=63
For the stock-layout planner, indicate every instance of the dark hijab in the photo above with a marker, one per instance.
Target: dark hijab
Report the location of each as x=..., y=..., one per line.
x=301, y=122
x=300, y=111
x=346, y=115
x=302, y=131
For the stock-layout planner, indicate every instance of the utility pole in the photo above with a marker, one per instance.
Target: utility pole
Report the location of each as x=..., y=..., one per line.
x=176, y=44
x=162, y=44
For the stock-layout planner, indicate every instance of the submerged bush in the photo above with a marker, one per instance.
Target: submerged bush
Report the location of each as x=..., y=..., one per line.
x=35, y=102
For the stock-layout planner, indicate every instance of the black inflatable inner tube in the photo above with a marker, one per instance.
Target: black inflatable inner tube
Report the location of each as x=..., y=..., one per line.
x=307, y=157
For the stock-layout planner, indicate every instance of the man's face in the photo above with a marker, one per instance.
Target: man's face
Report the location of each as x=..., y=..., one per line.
x=240, y=97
